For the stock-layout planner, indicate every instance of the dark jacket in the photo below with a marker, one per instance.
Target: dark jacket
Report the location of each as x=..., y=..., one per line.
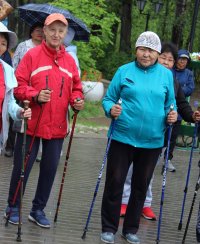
x=6, y=58
x=186, y=80
x=183, y=107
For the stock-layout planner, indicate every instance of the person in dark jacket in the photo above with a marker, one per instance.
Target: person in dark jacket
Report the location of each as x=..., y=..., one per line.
x=185, y=78
x=182, y=74
x=50, y=83
x=167, y=58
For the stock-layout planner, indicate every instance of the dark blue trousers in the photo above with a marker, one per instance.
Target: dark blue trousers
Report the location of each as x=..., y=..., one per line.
x=51, y=150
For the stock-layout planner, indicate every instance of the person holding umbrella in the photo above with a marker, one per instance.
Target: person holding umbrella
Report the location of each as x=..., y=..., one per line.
x=35, y=38
x=147, y=93
x=50, y=82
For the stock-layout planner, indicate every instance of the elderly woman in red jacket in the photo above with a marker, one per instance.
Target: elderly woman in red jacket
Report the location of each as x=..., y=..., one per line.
x=49, y=79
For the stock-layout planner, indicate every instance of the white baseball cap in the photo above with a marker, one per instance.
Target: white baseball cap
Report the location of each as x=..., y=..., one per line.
x=149, y=39
x=12, y=36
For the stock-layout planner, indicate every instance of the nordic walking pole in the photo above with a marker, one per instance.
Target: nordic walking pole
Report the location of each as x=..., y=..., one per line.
x=113, y=123
x=192, y=206
x=66, y=162
x=164, y=178
x=19, y=232
x=188, y=175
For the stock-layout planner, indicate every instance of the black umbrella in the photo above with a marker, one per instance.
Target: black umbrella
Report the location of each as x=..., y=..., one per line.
x=33, y=13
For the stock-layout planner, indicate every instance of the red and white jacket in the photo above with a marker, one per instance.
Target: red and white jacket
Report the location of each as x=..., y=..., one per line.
x=43, y=67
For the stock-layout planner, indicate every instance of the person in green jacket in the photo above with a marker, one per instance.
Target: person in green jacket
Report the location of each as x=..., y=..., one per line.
x=147, y=93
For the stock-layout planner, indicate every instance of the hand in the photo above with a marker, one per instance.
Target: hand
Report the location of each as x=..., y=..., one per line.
x=172, y=117
x=26, y=113
x=116, y=110
x=196, y=116
x=44, y=96
x=78, y=104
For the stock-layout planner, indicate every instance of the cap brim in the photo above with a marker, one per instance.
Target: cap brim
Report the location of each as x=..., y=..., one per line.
x=184, y=56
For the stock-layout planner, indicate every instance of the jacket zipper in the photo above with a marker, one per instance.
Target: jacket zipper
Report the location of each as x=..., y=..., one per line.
x=61, y=88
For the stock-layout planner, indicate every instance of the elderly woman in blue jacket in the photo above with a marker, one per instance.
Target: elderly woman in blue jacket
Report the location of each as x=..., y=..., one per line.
x=147, y=92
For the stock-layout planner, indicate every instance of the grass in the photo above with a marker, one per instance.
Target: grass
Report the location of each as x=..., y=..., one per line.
x=91, y=110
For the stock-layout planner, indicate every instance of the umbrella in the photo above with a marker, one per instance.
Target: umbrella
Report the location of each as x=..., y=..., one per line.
x=33, y=13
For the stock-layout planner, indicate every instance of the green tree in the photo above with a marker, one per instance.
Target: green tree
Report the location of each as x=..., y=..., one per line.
x=95, y=15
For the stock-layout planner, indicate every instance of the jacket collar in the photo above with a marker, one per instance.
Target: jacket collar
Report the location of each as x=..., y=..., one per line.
x=51, y=52
x=149, y=68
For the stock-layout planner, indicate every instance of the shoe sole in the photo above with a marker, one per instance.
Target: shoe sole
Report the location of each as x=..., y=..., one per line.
x=171, y=170
x=149, y=218
x=135, y=242
x=30, y=218
x=106, y=241
x=11, y=222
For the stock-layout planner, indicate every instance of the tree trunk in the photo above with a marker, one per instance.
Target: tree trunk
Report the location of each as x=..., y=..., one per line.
x=166, y=14
x=177, y=31
x=126, y=23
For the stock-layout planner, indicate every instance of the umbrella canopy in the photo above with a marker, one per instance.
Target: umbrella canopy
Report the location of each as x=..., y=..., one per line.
x=33, y=13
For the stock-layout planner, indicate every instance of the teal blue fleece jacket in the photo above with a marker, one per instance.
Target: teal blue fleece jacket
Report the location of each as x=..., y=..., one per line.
x=146, y=94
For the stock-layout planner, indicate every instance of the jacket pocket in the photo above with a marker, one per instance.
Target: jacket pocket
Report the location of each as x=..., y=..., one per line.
x=61, y=87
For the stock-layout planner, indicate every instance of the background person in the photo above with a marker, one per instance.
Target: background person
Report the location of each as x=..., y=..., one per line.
x=146, y=90
x=4, y=53
x=51, y=81
x=71, y=49
x=186, y=80
x=35, y=38
x=8, y=82
x=8, y=40
x=167, y=58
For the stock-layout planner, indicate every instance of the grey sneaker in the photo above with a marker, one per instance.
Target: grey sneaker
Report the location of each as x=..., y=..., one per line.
x=131, y=238
x=171, y=167
x=107, y=237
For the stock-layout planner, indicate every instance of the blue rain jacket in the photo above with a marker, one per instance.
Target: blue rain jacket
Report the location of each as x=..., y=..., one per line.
x=146, y=94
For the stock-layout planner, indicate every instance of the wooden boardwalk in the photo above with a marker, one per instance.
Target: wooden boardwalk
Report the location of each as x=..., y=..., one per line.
x=84, y=164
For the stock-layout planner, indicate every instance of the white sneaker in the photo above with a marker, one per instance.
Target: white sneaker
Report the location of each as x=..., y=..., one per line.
x=171, y=167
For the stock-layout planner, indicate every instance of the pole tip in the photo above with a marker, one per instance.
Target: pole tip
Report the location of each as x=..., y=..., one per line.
x=19, y=239
x=180, y=226
x=84, y=235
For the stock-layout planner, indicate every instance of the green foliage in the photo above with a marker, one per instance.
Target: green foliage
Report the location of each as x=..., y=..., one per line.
x=95, y=15
x=91, y=110
x=102, y=17
x=112, y=62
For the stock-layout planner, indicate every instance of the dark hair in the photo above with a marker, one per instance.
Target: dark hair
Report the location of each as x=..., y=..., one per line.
x=169, y=47
x=34, y=26
x=5, y=34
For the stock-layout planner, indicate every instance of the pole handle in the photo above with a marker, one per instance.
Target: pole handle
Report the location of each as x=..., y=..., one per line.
x=171, y=107
x=75, y=110
x=26, y=104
